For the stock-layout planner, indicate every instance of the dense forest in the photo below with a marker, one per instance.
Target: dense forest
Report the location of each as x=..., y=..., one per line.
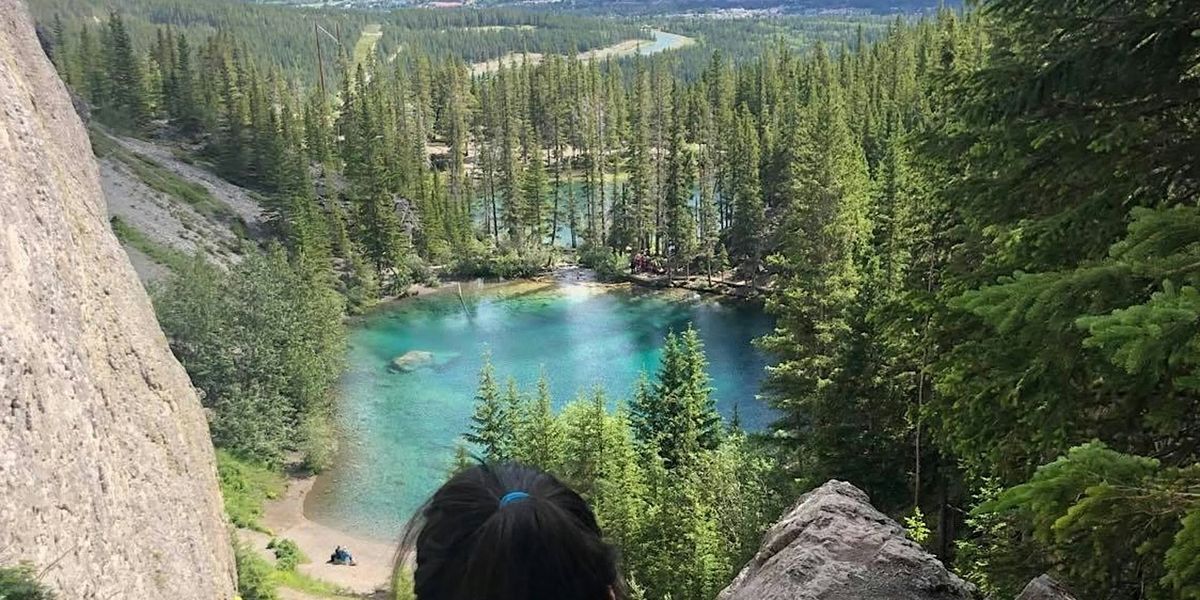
x=786, y=6
x=979, y=234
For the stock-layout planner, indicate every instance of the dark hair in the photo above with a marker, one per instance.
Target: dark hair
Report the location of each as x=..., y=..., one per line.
x=546, y=545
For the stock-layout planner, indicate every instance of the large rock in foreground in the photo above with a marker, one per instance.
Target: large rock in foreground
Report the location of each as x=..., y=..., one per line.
x=833, y=545
x=107, y=478
x=1045, y=587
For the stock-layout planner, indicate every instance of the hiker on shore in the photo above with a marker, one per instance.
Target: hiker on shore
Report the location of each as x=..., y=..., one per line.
x=341, y=556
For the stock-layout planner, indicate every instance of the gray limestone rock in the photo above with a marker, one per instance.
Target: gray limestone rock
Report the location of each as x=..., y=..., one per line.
x=833, y=545
x=1045, y=587
x=107, y=476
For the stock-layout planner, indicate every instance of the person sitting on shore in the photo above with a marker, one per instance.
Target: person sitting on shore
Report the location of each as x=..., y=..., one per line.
x=341, y=556
x=508, y=532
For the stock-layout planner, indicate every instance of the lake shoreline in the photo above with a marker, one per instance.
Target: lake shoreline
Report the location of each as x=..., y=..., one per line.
x=288, y=517
x=319, y=510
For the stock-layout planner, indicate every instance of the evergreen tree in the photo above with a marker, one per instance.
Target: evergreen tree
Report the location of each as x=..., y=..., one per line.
x=124, y=98
x=540, y=438
x=680, y=218
x=489, y=421
x=749, y=217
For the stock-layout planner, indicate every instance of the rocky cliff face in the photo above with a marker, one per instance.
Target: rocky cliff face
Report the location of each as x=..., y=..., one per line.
x=107, y=478
x=833, y=545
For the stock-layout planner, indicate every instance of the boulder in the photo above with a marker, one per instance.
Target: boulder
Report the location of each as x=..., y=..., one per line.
x=833, y=545
x=108, y=483
x=1045, y=587
x=412, y=360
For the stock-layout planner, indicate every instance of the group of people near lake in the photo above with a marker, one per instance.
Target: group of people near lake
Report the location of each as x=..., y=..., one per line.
x=644, y=263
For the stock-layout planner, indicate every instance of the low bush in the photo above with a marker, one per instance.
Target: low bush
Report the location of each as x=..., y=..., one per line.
x=256, y=579
x=287, y=554
x=245, y=487
x=609, y=265
x=20, y=582
x=502, y=264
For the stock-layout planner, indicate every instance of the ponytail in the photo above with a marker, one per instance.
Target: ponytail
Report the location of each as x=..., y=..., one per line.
x=508, y=532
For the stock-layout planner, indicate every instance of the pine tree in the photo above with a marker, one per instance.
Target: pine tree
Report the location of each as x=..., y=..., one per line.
x=125, y=98
x=677, y=417
x=540, y=438
x=749, y=218
x=489, y=423
x=680, y=219
x=534, y=191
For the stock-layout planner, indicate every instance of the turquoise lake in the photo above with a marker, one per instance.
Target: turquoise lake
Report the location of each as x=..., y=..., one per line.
x=400, y=427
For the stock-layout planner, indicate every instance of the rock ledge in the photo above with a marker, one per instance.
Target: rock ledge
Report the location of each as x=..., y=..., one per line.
x=833, y=545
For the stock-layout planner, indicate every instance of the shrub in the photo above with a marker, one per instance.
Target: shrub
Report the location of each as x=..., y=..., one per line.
x=503, y=264
x=421, y=272
x=255, y=581
x=609, y=265
x=20, y=583
x=287, y=554
x=318, y=442
x=245, y=486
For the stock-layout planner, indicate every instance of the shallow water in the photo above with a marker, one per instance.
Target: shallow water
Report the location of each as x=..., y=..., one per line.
x=401, y=427
x=663, y=40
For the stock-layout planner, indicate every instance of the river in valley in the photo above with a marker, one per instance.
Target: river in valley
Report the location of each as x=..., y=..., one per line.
x=401, y=423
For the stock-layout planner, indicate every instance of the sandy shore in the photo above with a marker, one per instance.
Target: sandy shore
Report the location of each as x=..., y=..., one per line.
x=285, y=517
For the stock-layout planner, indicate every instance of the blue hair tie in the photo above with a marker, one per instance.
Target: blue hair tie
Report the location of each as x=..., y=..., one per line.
x=511, y=497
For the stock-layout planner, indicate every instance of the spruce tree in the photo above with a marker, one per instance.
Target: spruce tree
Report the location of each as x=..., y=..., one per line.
x=489, y=423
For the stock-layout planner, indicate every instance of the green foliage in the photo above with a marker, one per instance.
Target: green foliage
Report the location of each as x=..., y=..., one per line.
x=264, y=343
x=678, y=417
x=987, y=543
x=916, y=527
x=318, y=441
x=287, y=554
x=683, y=528
x=159, y=253
x=245, y=486
x=20, y=582
x=503, y=265
x=978, y=234
x=609, y=264
x=490, y=430
x=295, y=580
x=1089, y=505
x=256, y=579
x=402, y=584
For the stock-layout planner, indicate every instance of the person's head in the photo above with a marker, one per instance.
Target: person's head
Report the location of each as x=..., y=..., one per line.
x=507, y=532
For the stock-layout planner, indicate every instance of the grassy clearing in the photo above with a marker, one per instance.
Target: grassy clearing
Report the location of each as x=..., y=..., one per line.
x=309, y=585
x=366, y=42
x=245, y=487
x=160, y=253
